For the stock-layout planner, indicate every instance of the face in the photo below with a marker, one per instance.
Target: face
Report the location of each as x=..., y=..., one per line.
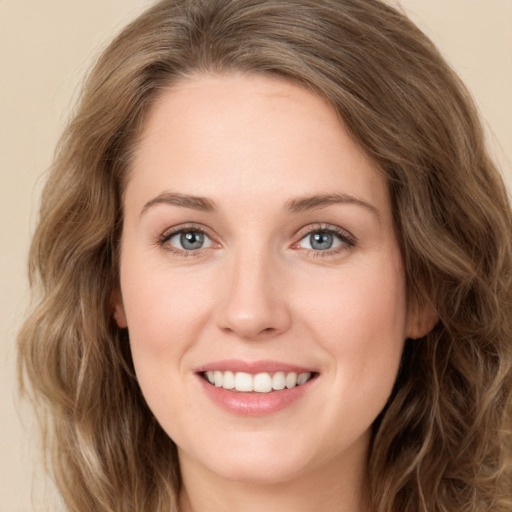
x=261, y=281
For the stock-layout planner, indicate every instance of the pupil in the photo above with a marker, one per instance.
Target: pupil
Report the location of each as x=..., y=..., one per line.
x=321, y=241
x=191, y=240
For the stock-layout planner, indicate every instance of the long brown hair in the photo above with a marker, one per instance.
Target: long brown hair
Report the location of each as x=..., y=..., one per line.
x=443, y=442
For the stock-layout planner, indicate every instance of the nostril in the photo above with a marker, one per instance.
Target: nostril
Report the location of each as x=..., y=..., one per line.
x=252, y=316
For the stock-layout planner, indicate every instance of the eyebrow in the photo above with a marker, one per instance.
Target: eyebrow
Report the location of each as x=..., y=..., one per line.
x=297, y=205
x=315, y=202
x=202, y=204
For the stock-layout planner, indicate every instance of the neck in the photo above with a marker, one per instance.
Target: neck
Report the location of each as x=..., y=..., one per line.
x=327, y=488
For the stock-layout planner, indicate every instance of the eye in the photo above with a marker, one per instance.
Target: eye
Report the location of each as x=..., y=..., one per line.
x=321, y=241
x=325, y=240
x=187, y=240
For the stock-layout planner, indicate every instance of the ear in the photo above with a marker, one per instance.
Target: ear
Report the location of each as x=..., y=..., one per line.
x=421, y=319
x=118, y=309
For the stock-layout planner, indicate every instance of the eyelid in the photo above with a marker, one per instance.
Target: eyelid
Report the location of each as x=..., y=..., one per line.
x=175, y=230
x=348, y=240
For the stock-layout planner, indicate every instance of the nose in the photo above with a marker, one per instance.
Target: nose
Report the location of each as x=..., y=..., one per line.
x=254, y=303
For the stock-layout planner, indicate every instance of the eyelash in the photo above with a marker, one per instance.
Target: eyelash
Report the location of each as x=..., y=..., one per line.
x=189, y=228
x=347, y=240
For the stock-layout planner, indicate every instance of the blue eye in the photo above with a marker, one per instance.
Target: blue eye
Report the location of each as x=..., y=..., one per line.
x=188, y=240
x=191, y=240
x=323, y=240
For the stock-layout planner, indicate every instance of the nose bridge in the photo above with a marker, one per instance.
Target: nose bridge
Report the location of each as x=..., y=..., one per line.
x=254, y=302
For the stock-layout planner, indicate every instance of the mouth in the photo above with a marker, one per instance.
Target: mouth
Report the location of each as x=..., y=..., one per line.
x=256, y=388
x=264, y=382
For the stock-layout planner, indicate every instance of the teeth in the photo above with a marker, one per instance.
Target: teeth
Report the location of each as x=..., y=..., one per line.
x=243, y=381
x=278, y=381
x=262, y=383
x=291, y=380
x=228, y=381
x=259, y=383
x=301, y=379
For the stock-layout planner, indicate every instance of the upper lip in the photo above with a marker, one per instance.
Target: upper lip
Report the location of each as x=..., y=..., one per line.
x=253, y=367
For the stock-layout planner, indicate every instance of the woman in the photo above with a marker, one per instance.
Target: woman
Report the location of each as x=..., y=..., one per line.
x=275, y=262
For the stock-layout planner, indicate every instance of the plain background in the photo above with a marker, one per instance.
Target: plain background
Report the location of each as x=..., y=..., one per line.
x=45, y=48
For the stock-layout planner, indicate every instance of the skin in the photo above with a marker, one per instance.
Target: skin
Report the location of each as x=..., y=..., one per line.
x=253, y=145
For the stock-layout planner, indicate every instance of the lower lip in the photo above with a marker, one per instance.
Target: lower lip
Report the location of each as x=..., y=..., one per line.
x=254, y=404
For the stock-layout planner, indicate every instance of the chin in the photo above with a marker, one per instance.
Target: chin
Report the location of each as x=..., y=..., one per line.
x=267, y=470
x=263, y=461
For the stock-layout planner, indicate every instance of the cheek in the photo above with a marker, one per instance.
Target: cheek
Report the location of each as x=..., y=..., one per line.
x=163, y=307
x=166, y=312
x=359, y=320
x=356, y=302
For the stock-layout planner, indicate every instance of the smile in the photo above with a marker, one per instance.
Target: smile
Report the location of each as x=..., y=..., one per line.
x=255, y=388
x=258, y=383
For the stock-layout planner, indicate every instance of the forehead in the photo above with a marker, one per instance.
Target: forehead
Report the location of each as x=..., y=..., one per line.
x=243, y=135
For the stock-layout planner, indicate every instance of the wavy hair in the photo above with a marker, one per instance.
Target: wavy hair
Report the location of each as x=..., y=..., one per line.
x=443, y=442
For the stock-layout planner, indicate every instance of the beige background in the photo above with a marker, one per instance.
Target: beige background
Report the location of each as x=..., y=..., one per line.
x=45, y=46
